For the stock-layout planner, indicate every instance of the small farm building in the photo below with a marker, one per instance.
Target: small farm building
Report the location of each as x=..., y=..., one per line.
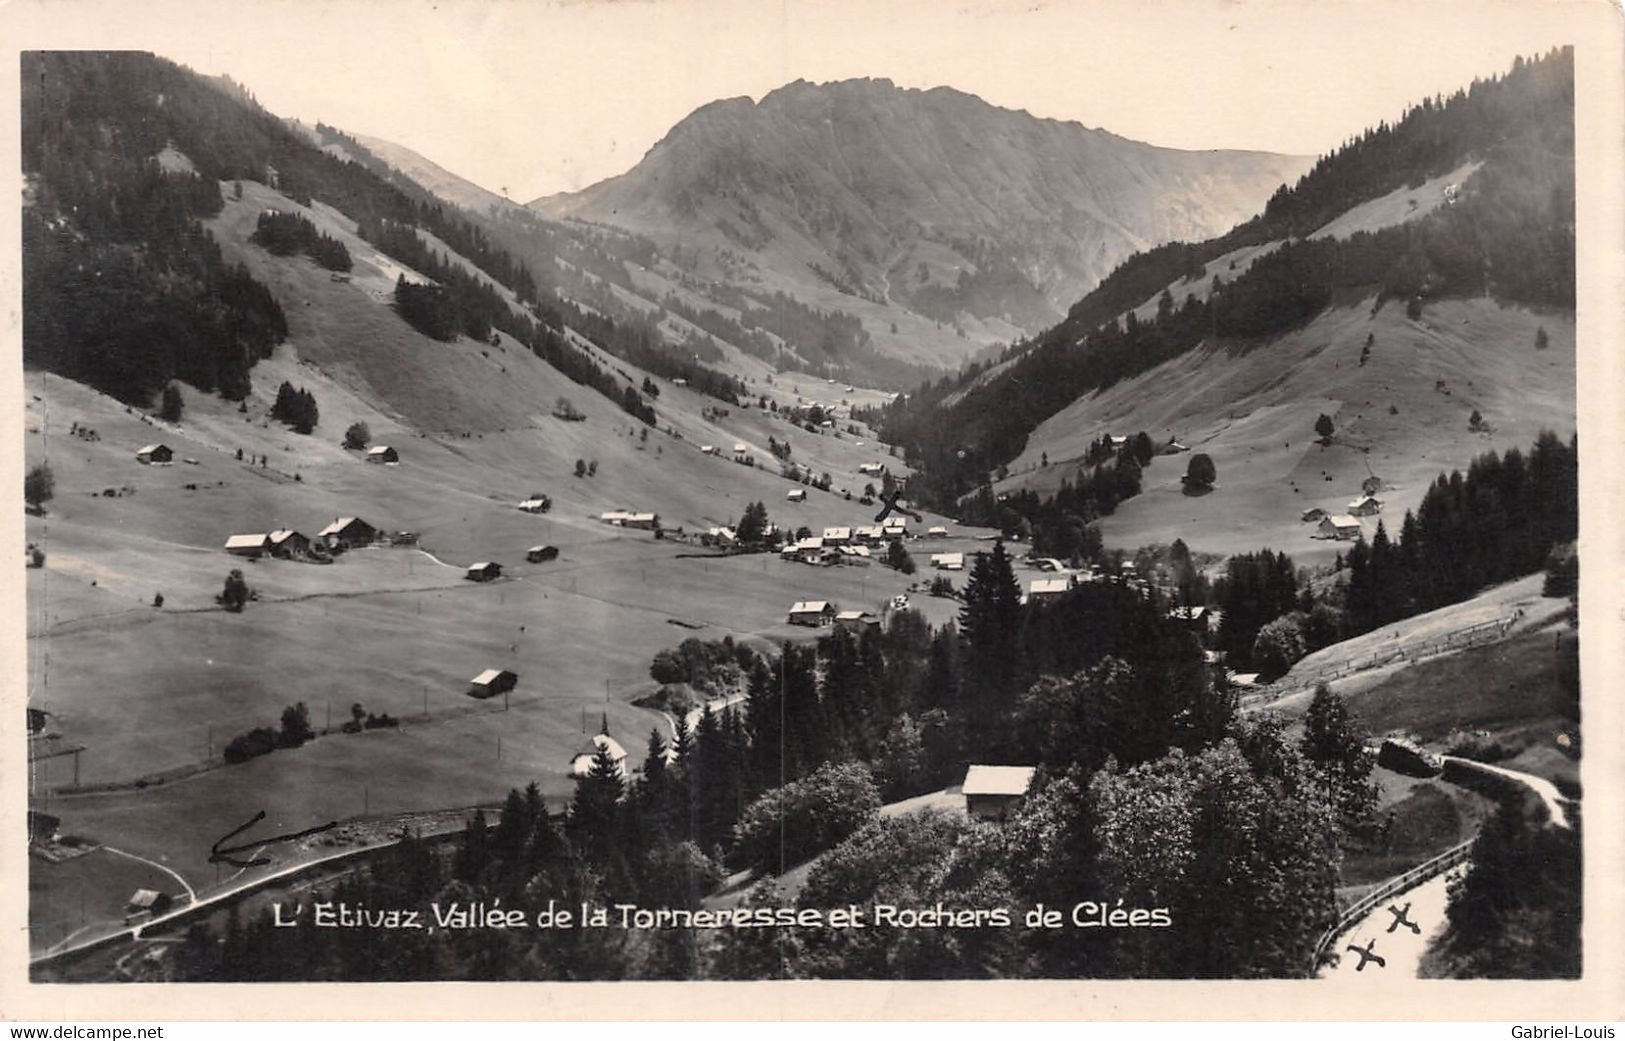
x=812, y=612
x=995, y=792
x=492, y=682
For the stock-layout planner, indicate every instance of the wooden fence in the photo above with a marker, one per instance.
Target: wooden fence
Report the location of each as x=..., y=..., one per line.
x=1459, y=639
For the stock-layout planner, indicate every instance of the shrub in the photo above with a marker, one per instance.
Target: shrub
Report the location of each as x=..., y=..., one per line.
x=786, y=826
x=39, y=486
x=295, y=726
x=1278, y=645
x=1200, y=473
x=256, y=742
x=357, y=436
x=236, y=593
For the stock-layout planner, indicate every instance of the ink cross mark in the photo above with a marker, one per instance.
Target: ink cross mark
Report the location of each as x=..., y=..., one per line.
x=220, y=853
x=1366, y=955
x=1402, y=917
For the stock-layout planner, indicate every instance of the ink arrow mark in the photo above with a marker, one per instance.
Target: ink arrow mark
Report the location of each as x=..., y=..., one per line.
x=221, y=854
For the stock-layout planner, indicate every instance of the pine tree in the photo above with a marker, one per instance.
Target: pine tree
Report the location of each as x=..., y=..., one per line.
x=169, y=409
x=990, y=624
x=1332, y=741
x=593, y=810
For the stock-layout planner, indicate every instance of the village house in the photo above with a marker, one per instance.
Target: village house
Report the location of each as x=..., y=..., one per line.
x=155, y=455
x=1365, y=506
x=541, y=554
x=948, y=561
x=382, y=454
x=719, y=536
x=895, y=528
x=708, y=450
x=348, y=532
x=1339, y=526
x=1041, y=590
x=856, y=621
x=808, y=551
x=994, y=793
x=869, y=534
x=286, y=543
x=796, y=495
x=484, y=571
x=145, y=903
x=837, y=536
x=536, y=504
x=936, y=531
x=870, y=469
x=812, y=612
x=492, y=682
x=254, y=545
x=581, y=762
x=741, y=450
x=1193, y=618
x=1314, y=513
x=628, y=519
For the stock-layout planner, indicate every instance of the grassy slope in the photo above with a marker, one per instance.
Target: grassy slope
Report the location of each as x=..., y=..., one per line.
x=143, y=688
x=1254, y=413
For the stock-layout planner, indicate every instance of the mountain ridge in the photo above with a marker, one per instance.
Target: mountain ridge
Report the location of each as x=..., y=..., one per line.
x=932, y=200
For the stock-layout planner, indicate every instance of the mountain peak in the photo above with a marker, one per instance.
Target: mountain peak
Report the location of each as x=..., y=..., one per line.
x=931, y=199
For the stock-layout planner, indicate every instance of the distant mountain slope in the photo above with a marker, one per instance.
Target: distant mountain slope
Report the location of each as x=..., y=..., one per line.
x=933, y=201
x=1468, y=196
x=127, y=156
x=433, y=177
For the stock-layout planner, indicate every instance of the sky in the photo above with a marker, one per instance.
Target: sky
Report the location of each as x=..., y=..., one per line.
x=532, y=97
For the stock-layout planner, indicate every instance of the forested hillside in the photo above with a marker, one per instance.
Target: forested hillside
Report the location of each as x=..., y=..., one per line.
x=124, y=153
x=1509, y=234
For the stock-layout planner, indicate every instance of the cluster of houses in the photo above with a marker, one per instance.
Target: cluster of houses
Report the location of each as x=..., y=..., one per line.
x=853, y=545
x=344, y=533
x=1344, y=527
x=820, y=614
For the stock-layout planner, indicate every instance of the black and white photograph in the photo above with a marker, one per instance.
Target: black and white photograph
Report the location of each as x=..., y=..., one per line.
x=645, y=490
